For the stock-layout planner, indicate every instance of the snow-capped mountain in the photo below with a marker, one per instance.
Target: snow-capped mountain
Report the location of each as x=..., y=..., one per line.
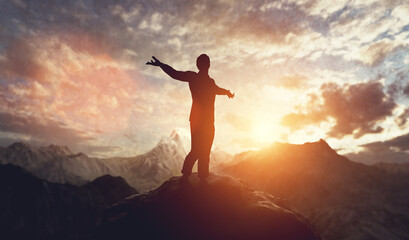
x=149, y=170
x=143, y=172
x=55, y=163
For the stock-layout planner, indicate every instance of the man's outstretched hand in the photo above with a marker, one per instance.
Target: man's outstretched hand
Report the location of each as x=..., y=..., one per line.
x=154, y=62
x=230, y=95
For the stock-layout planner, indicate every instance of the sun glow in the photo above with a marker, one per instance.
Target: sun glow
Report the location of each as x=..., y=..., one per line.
x=264, y=133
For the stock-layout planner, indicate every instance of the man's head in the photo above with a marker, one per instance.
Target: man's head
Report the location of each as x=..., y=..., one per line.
x=203, y=62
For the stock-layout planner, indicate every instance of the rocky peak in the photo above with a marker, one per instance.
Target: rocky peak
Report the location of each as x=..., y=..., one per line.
x=174, y=136
x=320, y=147
x=324, y=145
x=63, y=150
x=52, y=148
x=178, y=138
x=20, y=146
x=223, y=208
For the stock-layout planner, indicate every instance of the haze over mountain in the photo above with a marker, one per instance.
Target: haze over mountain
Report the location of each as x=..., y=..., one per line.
x=344, y=199
x=143, y=172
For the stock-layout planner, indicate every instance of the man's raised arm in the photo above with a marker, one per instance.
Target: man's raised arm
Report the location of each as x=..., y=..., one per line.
x=222, y=91
x=178, y=75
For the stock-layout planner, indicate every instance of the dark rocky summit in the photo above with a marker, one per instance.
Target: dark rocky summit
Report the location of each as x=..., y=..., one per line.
x=224, y=208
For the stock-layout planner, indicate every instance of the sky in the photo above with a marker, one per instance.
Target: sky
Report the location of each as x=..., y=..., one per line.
x=73, y=73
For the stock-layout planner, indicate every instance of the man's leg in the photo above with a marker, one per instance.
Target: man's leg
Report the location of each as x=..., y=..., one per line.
x=207, y=137
x=189, y=163
x=203, y=167
x=193, y=154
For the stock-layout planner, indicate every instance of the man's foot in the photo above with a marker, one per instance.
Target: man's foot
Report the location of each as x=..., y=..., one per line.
x=184, y=181
x=185, y=173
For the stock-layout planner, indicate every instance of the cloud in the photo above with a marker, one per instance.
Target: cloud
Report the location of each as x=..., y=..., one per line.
x=21, y=61
x=172, y=30
x=393, y=150
x=357, y=109
x=42, y=130
x=83, y=86
x=63, y=89
x=46, y=131
x=369, y=31
x=399, y=86
x=402, y=119
x=406, y=90
x=374, y=53
x=323, y=8
x=297, y=121
x=292, y=81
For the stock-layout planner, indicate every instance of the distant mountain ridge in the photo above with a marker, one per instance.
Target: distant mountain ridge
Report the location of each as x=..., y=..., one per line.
x=143, y=172
x=55, y=163
x=397, y=168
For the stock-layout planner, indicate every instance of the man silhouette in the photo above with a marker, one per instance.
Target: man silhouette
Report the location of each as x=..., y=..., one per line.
x=203, y=90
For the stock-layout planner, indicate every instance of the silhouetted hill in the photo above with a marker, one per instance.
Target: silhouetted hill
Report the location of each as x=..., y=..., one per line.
x=344, y=199
x=222, y=209
x=394, y=168
x=31, y=208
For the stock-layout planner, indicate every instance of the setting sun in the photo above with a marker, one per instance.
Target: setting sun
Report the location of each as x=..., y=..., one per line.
x=264, y=133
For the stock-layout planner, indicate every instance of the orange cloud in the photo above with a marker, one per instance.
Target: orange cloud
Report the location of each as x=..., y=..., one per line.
x=21, y=61
x=292, y=81
x=73, y=82
x=357, y=109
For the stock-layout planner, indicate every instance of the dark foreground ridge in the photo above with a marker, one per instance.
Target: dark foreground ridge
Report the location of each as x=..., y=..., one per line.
x=222, y=209
x=32, y=208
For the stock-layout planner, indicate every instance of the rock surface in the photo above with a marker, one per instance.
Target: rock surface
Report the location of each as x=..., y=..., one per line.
x=224, y=208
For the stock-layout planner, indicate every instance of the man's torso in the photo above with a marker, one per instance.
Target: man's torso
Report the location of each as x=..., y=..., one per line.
x=203, y=93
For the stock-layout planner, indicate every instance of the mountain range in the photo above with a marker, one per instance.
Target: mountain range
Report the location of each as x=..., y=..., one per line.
x=342, y=198
x=143, y=172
